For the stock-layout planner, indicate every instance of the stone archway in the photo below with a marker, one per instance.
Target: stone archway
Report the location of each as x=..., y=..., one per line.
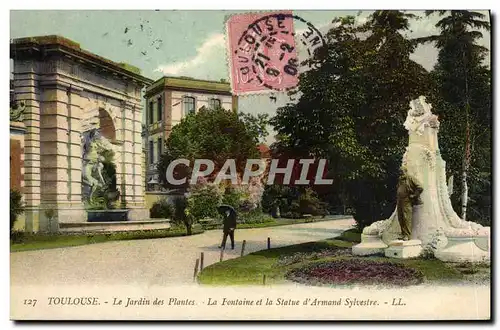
x=107, y=127
x=64, y=88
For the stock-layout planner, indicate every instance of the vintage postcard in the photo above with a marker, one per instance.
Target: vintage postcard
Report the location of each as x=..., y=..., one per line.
x=250, y=165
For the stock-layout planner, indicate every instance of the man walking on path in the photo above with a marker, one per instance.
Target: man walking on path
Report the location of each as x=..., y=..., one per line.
x=229, y=221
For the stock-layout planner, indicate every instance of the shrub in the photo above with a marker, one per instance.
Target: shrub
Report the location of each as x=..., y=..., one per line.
x=16, y=207
x=161, y=209
x=182, y=214
x=203, y=201
x=308, y=203
x=233, y=196
x=291, y=215
x=254, y=216
x=17, y=236
x=247, y=206
x=180, y=204
x=292, y=201
x=254, y=191
x=278, y=196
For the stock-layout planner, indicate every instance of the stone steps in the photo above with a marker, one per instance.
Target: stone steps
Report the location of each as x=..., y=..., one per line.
x=114, y=226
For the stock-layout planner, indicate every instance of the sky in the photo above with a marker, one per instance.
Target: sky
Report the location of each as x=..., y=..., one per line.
x=181, y=43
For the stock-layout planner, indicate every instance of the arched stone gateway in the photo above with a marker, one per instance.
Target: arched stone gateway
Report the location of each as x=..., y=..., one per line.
x=69, y=91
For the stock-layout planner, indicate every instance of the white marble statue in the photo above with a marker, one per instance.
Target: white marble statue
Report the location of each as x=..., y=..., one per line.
x=434, y=222
x=93, y=145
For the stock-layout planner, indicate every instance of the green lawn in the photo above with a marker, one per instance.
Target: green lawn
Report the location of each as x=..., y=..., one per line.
x=272, y=222
x=45, y=241
x=251, y=268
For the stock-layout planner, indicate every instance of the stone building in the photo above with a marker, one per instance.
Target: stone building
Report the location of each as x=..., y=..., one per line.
x=66, y=91
x=168, y=100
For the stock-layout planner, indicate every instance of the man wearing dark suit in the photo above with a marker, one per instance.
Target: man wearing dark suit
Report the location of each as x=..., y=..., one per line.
x=229, y=228
x=408, y=195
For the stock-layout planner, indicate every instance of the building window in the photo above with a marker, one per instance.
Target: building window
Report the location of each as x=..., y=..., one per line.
x=160, y=108
x=151, y=113
x=189, y=105
x=159, y=146
x=214, y=103
x=151, y=152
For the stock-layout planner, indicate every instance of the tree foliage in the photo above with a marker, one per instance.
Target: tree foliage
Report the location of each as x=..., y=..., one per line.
x=215, y=134
x=353, y=107
x=462, y=99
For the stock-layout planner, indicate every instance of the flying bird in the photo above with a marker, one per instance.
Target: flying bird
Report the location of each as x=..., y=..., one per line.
x=126, y=30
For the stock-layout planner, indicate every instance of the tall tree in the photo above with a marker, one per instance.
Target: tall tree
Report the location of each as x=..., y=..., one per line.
x=215, y=134
x=462, y=99
x=353, y=107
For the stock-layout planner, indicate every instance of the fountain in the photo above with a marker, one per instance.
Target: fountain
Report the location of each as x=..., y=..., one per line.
x=435, y=225
x=99, y=191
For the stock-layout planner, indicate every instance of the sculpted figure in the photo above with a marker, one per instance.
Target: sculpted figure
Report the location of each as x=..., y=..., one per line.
x=94, y=165
x=93, y=145
x=408, y=195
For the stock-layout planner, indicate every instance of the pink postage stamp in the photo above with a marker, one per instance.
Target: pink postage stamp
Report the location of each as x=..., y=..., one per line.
x=262, y=52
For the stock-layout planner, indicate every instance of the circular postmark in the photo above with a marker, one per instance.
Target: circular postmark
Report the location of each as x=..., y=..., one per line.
x=266, y=52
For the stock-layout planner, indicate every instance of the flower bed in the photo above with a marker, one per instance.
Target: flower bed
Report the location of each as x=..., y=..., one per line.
x=287, y=260
x=355, y=271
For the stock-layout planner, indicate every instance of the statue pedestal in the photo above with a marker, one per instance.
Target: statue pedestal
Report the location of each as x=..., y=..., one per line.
x=462, y=249
x=370, y=244
x=404, y=249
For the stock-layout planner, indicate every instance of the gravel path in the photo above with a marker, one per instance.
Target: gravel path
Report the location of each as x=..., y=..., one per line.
x=154, y=261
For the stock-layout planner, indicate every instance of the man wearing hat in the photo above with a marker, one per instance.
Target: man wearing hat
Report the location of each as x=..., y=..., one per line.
x=229, y=221
x=408, y=195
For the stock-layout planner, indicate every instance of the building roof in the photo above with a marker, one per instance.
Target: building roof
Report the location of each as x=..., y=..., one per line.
x=45, y=45
x=189, y=84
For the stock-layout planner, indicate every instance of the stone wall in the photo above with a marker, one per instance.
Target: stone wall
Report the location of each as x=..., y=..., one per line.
x=16, y=164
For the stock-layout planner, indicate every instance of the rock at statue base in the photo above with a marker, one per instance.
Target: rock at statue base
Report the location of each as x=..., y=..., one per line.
x=404, y=249
x=434, y=222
